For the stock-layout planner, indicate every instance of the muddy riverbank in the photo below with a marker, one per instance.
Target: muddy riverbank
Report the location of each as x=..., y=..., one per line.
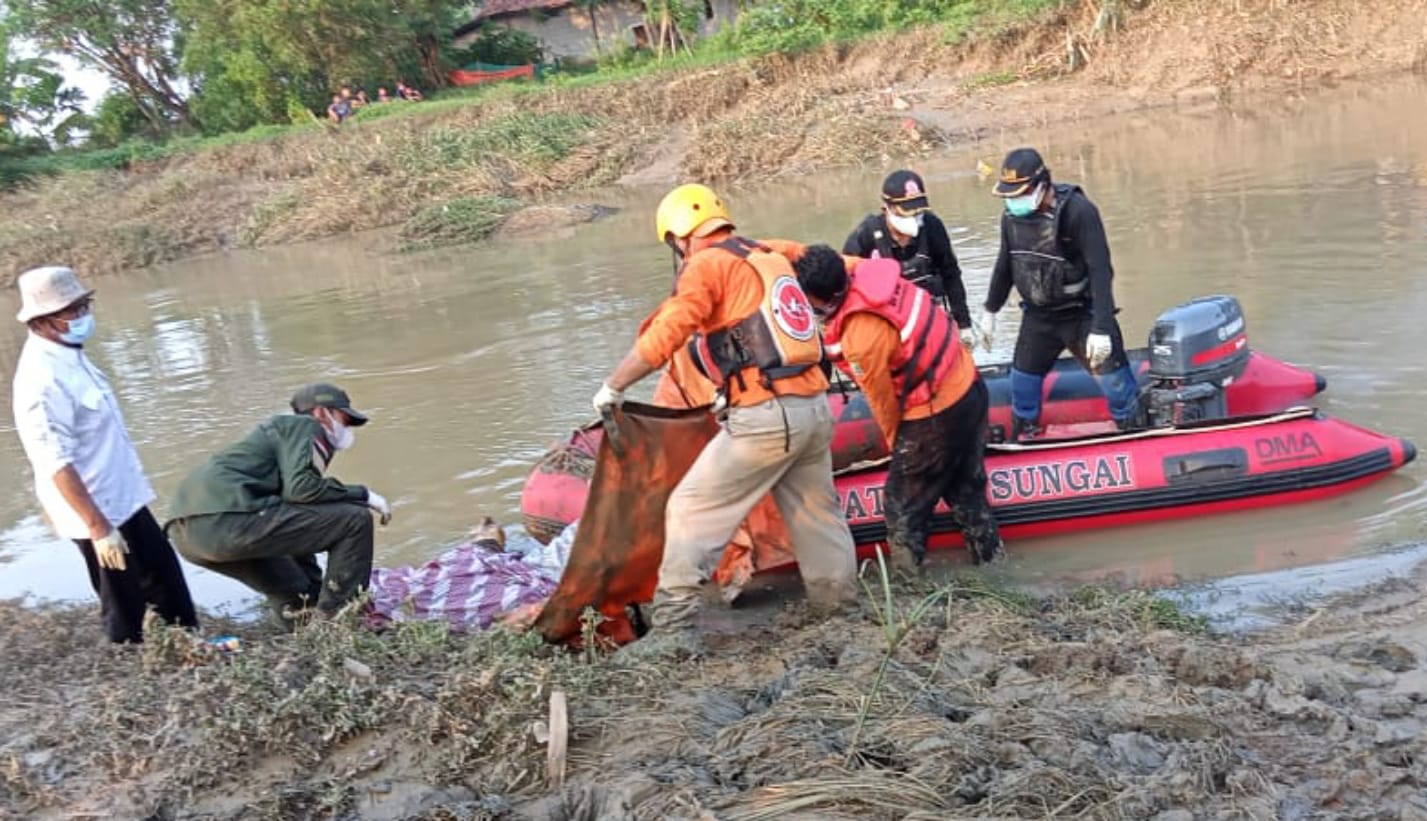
x=990, y=703
x=882, y=100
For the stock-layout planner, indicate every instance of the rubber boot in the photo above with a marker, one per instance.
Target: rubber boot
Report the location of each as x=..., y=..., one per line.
x=987, y=552
x=672, y=632
x=1139, y=418
x=832, y=599
x=1025, y=430
x=905, y=560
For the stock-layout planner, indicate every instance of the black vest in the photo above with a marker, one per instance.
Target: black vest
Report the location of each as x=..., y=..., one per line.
x=1041, y=266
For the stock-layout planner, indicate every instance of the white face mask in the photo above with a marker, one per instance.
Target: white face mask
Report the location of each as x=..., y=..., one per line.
x=340, y=436
x=907, y=226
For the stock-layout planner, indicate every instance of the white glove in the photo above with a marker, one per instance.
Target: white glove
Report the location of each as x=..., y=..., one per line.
x=607, y=398
x=988, y=328
x=111, y=550
x=968, y=338
x=378, y=502
x=1097, y=349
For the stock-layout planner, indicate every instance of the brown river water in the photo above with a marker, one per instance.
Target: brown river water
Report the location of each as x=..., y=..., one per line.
x=472, y=360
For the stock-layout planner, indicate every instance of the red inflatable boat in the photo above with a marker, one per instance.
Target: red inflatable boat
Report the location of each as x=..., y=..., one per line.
x=1088, y=482
x=1262, y=385
x=1216, y=439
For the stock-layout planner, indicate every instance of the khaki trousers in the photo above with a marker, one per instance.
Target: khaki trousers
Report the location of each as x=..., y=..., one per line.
x=781, y=446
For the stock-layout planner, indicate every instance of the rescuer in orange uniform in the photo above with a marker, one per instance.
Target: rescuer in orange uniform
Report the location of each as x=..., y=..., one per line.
x=924, y=391
x=738, y=306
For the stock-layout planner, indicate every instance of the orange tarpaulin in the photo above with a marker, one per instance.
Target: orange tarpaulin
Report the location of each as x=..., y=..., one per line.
x=462, y=77
x=619, y=544
x=614, y=561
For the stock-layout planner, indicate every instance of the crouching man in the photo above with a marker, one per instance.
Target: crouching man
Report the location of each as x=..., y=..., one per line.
x=262, y=509
x=924, y=390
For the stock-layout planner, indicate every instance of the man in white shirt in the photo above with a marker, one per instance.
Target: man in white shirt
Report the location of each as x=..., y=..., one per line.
x=87, y=473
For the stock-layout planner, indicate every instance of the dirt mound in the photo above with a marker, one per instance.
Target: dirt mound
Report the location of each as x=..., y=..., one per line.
x=964, y=700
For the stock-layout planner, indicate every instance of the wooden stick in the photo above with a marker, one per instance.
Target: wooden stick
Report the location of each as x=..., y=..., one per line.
x=559, y=739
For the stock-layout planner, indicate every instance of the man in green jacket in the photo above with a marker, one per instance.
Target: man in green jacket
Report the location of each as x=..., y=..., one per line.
x=262, y=509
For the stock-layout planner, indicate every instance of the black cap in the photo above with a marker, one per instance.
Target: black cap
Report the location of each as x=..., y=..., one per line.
x=323, y=395
x=905, y=193
x=1021, y=171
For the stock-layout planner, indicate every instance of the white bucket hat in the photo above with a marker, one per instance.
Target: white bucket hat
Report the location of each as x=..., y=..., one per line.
x=46, y=290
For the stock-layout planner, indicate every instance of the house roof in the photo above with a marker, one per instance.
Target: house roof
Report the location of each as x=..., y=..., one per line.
x=491, y=9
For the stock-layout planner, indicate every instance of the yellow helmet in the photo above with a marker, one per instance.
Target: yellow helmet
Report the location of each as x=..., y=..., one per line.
x=689, y=208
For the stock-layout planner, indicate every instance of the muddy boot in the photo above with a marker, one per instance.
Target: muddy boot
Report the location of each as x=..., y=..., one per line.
x=1025, y=430
x=978, y=527
x=987, y=552
x=672, y=634
x=906, y=561
x=832, y=599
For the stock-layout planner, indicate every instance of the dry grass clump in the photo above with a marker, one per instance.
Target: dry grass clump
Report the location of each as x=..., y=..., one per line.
x=464, y=219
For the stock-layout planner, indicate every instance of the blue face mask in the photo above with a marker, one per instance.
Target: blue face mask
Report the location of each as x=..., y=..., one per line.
x=80, y=329
x=1024, y=206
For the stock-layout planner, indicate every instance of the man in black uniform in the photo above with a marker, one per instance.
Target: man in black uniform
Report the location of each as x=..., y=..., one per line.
x=906, y=230
x=1053, y=249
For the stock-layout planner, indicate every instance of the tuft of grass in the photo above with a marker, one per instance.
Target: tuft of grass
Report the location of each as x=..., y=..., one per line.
x=538, y=140
x=1145, y=609
x=140, y=244
x=267, y=214
x=991, y=18
x=897, y=623
x=972, y=586
x=990, y=79
x=459, y=221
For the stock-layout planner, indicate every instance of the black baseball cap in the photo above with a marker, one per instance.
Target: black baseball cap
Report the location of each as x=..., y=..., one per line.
x=1022, y=169
x=905, y=192
x=323, y=395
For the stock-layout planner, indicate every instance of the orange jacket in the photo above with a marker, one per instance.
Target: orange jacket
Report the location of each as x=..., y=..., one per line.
x=682, y=386
x=717, y=290
x=869, y=344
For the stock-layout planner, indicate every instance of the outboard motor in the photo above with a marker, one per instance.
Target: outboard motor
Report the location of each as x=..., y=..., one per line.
x=1196, y=349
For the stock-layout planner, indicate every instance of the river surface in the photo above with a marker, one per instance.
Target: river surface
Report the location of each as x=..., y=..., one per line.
x=472, y=360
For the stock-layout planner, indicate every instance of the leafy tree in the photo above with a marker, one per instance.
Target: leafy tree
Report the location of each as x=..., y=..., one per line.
x=116, y=120
x=33, y=94
x=672, y=23
x=253, y=61
x=132, y=41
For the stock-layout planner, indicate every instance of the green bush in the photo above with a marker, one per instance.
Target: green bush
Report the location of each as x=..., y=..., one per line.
x=117, y=119
x=538, y=139
x=797, y=25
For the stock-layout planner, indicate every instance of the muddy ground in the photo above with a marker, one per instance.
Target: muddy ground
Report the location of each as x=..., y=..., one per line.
x=885, y=100
x=991, y=703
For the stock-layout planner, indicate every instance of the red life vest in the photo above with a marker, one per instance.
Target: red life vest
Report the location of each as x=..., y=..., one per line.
x=928, y=347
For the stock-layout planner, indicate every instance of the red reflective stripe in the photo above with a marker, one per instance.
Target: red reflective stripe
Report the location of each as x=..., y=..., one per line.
x=1219, y=351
